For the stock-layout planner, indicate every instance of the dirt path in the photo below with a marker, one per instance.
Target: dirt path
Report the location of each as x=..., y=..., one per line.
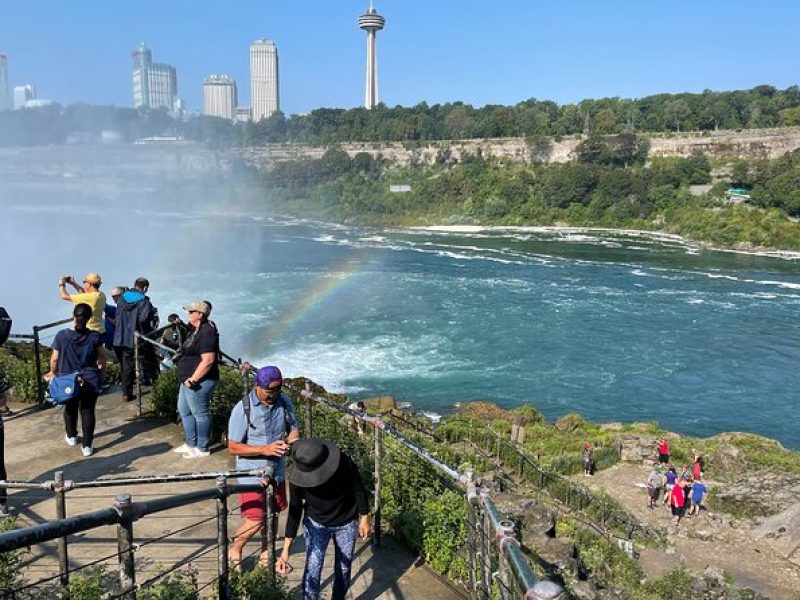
x=699, y=542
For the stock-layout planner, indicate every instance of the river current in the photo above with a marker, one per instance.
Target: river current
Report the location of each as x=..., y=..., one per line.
x=617, y=327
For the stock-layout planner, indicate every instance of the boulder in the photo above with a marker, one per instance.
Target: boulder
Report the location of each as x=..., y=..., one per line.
x=782, y=531
x=380, y=404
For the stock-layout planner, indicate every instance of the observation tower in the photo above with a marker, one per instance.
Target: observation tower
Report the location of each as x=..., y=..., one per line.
x=372, y=23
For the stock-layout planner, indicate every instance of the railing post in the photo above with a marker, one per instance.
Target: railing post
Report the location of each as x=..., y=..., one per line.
x=138, y=370
x=223, y=588
x=486, y=544
x=472, y=538
x=38, y=361
x=309, y=411
x=61, y=513
x=506, y=530
x=127, y=565
x=377, y=499
x=271, y=525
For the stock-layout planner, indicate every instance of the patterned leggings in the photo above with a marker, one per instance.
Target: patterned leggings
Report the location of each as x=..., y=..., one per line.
x=317, y=538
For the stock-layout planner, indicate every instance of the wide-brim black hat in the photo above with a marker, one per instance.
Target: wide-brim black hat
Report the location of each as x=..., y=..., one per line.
x=315, y=462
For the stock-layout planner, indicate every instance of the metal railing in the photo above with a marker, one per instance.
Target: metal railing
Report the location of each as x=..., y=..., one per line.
x=606, y=515
x=124, y=513
x=36, y=338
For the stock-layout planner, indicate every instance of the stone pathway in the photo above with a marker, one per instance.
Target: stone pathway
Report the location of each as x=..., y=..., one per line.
x=127, y=445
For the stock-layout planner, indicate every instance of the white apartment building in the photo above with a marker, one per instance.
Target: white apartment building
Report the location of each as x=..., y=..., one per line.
x=264, y=99
x=219, y=97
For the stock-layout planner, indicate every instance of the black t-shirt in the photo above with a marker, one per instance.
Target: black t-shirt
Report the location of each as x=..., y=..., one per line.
x=202, y=340
x=336, y=502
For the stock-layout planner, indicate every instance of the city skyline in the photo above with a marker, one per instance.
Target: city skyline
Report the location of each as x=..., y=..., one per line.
x=563, y=52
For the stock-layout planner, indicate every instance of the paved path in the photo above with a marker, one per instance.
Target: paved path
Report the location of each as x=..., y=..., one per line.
x=127, y=445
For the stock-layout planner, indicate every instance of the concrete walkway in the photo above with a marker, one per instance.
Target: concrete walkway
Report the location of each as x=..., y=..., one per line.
x=126, y=446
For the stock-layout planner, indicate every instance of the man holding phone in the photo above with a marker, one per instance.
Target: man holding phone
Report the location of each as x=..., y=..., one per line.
x=261, y=429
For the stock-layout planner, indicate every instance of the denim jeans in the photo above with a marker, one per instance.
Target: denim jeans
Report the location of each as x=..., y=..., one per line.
x=193, y=406
x=317, y=538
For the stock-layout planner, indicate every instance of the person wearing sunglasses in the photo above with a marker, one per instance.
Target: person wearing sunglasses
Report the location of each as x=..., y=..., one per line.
x=198, y=372
x=261, y=430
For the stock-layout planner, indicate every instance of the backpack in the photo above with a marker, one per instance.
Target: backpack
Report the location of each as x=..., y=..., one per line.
x=65, y=387
x=5, y=325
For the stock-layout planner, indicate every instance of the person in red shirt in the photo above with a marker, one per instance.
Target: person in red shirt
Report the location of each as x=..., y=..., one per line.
x=677, y=501
x=663, y=451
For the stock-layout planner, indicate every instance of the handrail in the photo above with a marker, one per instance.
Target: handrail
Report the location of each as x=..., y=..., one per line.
x=36, y=355
x=66, y=485
x=45, y=532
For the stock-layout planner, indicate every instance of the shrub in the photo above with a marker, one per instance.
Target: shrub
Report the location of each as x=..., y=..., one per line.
x=257, y=584
x=164, y=395
x=10, y=562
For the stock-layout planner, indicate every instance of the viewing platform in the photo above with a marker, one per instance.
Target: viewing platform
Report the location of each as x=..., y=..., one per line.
x=186, y=537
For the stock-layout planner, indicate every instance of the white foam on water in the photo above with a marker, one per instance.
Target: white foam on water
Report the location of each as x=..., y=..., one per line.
x=337, y=365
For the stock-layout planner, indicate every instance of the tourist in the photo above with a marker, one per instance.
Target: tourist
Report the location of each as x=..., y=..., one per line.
x=261, y=429
x=698, y=494
x=697, y=466
x=134, y=314
x=175, y=333
x=654, y=486
x=357, y=423
x=79, y=350
x=325, y=486
x=663, y=451
x=198, y=373
x=670, y=477
x=587, y=460
x=677, y=501
x=88, y=294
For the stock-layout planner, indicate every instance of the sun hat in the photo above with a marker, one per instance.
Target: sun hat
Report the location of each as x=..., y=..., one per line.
x=200, y=306
x=314, y=462
x=93, y=278
x=267, y=375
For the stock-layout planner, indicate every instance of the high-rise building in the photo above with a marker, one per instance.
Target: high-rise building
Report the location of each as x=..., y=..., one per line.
x=23, y=94
x=155, y=85
x=243, y=114
x=5, y=94
x=372, y=23
x=264, y=98
x=219, y=96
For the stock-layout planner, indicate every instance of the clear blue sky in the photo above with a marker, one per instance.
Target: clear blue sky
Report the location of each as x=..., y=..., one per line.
x=432, y=50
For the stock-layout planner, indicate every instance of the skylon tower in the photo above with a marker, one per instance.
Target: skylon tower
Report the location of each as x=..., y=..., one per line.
x=372, y=23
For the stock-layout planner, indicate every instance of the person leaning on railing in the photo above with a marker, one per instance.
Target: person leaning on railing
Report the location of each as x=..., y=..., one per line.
x=198, y=372
x=79, y=350
x=261, y=429
x=135, y=313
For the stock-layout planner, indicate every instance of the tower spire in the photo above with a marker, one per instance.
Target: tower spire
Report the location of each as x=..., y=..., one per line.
x=372, y=23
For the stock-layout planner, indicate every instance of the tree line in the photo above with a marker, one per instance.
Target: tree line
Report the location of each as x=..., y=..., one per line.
x=761, y=106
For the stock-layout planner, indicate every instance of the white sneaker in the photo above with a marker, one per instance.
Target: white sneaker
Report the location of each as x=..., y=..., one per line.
x=196, y=453
x=71, y=441
x=182, y=448
x=87, y=450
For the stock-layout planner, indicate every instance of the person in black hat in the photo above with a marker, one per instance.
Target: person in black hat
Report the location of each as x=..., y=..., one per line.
x=324, y=483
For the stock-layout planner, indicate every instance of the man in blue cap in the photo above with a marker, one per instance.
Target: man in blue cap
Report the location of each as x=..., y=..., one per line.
x=260, y=433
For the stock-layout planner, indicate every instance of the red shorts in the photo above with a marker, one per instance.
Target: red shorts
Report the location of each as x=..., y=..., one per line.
x=252, y=503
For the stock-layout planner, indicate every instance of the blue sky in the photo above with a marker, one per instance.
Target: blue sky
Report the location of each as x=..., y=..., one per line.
x=432, y=50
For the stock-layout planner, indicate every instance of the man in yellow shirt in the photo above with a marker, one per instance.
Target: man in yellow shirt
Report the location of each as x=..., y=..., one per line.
x=88, y=294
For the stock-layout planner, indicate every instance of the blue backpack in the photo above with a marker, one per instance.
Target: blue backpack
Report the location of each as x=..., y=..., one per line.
x=64, y=388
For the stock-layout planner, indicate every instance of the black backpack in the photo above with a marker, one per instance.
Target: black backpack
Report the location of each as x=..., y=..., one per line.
x=5, y=325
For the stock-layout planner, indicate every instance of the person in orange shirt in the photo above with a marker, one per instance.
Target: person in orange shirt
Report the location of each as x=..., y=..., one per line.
x=88, y=294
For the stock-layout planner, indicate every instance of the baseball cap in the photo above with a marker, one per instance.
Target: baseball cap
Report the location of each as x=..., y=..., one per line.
x=199, y=306
x=267, y=375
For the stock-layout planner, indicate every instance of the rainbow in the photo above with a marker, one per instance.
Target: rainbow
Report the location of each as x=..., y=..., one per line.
x=320, y=293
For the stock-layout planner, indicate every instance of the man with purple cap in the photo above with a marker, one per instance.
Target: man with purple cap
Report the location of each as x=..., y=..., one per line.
x=259, y=435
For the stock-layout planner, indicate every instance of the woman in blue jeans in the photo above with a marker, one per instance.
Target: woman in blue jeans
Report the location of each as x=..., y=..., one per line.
x=325, y=485
x=198, y=373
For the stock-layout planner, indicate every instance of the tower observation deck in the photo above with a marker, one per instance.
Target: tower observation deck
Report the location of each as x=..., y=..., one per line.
x=372, y=23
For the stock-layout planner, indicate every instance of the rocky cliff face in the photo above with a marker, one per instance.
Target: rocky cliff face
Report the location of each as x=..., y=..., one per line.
x=750, y=144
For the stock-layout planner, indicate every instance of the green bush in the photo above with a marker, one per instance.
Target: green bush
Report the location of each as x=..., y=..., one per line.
x=93, y=583
x=10, y=562
x=257, y=584
x=164, y=395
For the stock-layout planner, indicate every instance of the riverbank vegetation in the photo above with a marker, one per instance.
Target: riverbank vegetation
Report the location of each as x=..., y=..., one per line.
x=759, y=107
x=609, y=185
